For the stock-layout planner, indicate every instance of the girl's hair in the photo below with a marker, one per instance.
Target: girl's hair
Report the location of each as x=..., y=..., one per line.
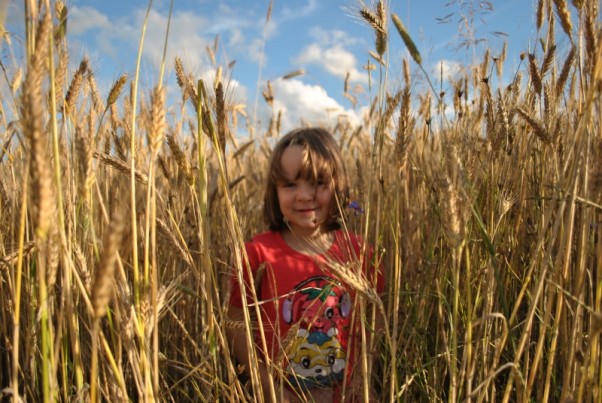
x=322, y=162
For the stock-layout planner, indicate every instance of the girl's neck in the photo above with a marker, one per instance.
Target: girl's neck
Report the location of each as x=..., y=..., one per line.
x=315, y=244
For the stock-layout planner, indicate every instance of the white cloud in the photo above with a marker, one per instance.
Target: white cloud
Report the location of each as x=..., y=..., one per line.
x=83, y=19
x=335, y=60
x=449, y=69
x=300, y=102
x=184, y=40
x=227, y=19
x=290, y=13
x=332, y=37
x=189, y=36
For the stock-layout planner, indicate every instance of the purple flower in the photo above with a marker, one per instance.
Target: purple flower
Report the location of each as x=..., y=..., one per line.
x=357, y=209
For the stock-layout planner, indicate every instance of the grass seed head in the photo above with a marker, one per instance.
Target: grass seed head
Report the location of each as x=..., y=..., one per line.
x=407, y=39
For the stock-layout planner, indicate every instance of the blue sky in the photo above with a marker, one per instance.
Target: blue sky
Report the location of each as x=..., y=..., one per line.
x=325, y=38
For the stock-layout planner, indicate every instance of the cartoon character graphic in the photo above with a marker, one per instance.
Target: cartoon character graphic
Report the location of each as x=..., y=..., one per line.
x=321, y=308
x=318, y=303
x=317, y=359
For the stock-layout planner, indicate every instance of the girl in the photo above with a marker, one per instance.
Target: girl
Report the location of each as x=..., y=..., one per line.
x=305, y=308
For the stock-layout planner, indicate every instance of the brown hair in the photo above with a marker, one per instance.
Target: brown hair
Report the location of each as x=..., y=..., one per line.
x=322, y=161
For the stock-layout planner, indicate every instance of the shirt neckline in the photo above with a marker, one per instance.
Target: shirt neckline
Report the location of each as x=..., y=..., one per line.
x=290, y=250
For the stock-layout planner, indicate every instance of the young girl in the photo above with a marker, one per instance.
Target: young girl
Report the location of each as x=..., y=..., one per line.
x=305, y=309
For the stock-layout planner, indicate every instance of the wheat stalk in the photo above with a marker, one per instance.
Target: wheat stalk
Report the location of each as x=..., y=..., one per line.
x=535, y=74
x=564, y=16
x=222, y=120
x=540, y=14
x=103, y=284
x=180, y=158
x=42, y=193
x=94, y=92
x=407, y=39
x=538, y=128
x=564, y=73
x=378, y=21
x=121, y=166
x=548, y=60
x=185, y=83
x=75, y=86
x=116, y=90
x=156, y=132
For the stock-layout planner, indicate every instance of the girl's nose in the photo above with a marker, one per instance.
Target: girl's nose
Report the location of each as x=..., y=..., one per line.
x=307, y=192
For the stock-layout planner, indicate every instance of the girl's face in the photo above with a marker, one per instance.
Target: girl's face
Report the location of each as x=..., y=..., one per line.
x=304, y=204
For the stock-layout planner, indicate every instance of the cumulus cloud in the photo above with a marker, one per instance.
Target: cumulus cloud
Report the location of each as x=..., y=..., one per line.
x=449, y=69
x=83, y=19
x=303, y=11
x=189, y=33
x=185, y=38
x=300, y=102
x=332, y=37
x=109, y=35
x=335, y=60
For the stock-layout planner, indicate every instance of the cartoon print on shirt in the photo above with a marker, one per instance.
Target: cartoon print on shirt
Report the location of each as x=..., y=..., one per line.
x=317, y=359
x=321, y=307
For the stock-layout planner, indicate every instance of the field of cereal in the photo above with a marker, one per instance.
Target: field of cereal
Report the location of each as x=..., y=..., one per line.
x=117, y=229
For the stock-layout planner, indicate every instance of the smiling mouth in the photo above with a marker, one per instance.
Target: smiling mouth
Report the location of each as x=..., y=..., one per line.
x=306, y=211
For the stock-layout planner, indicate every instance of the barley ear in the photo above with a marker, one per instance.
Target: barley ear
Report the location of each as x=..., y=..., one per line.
x=535, y=74
x=564, y=16
x=32, y=121
x=407, y=39
x=116, y=90
x=222, y=120
x=102, y=287
x=564, y=73
x=381, y=33
x=76, y=86
x=157, y=127
x=378, y=22
x=540, y=13
x=538, y=128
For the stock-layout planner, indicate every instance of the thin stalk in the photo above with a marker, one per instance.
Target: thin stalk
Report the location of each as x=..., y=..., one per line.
x=596, y=362
x=18, y=281
x=469, y=326
x=45, y=331
x=148, y=392
x=94, y=360
x=454, y=326
x=559, y=303
x=72, y=324
x=134, y=101
x=233, y=226
x=206, y=268
x=395, y=291
x=261, y=60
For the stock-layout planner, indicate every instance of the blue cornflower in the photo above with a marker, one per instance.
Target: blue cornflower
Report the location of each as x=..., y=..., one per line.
x=355, y=206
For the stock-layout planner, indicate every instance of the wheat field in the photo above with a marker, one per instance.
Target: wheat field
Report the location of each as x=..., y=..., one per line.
x=119, y=223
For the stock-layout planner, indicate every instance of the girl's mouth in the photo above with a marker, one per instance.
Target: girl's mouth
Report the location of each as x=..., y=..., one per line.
x=306, y=211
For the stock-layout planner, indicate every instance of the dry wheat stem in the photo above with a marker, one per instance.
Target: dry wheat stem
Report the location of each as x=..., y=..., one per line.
x=407, y=39
x=75, y=87
x=564, y=16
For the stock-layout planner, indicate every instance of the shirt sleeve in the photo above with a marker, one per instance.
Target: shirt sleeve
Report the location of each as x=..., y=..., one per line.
x=235, y=290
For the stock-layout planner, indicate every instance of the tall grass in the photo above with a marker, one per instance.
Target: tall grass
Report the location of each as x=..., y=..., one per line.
x=118, y=231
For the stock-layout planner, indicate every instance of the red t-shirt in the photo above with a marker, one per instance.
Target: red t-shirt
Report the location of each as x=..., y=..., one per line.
x=305, y=308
